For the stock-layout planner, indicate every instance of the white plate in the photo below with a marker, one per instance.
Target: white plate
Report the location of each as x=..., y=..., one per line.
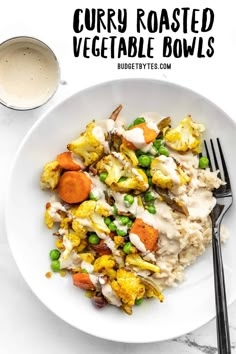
x=186, y=307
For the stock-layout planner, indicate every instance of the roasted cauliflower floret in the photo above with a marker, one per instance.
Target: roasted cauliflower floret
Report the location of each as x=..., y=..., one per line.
x=137, y=181
x=102, y=209
x=79, y=229
x=83, y=244
x=92, y=206
x=87, y=146
x=55, y=212
x=104, y=263
x=50, y=175
x=73, y=238
x=113, y=166
x=119, y=241
x=130, y=154
x=166, y=174
x=48, y=219
x=186, y=136
x=70, y=241
x=117, y=165
x=87, y=257
x=94, y=213
x=137, y=261
x=128, y=287
x=65, y=223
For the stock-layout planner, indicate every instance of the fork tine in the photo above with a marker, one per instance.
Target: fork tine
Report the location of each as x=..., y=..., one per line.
x=226, y=175
x=215, y=159
x=208, y=155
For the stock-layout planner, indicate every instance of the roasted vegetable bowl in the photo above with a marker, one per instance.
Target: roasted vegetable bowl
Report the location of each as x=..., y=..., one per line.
x=130, y=207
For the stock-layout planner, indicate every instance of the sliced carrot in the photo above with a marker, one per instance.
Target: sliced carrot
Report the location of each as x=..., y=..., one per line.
x=146, y=233
x=148, y=133
x=83, y=281
x=74, y=187
x=65, y=161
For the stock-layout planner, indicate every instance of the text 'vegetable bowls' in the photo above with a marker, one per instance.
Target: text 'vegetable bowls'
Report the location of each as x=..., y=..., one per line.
x=188, y=306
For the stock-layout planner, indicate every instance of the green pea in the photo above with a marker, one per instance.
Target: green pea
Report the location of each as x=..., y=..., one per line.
x=149, y=197
x=129, y=199
x=139, y=120
x=127, y=247
x=203, y=162
x=122, y=179
x=163, y=151
x=129, y=224
x=123, y=220
x=92, y=196
x=103, y=176
x=121, y=232
x=55, y=265
x=148, y=173
x=115, y=210
x=107, y=220
x=139, y=152
x=54, y=254
x=158, y=143
x=130, y=126
x=84, y=271
x=151, y=209
x=150, y=181
x=94, y=239
x=144, y=160
x=138, y=301
x=112, y=226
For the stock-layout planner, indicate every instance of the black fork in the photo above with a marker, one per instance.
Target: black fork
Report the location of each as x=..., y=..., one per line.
x=224, y=200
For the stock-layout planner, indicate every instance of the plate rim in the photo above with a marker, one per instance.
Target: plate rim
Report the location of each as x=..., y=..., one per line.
x=6, y=220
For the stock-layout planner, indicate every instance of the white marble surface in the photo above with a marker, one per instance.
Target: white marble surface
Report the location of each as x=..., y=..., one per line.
x=26, y=326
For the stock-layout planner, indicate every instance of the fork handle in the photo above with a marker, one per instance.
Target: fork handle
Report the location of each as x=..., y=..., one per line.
x=223, y=336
